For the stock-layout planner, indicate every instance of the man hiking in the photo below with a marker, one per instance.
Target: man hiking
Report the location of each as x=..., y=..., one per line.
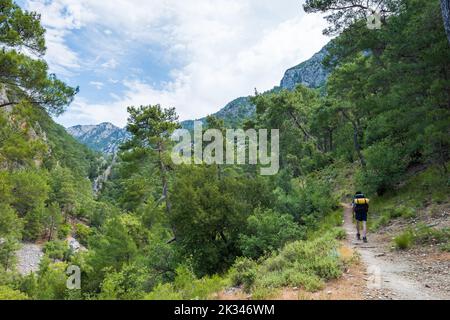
x=360, y=206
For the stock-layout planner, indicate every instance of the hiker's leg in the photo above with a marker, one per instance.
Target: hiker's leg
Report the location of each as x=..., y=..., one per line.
x=357, y=227
x=364, y=229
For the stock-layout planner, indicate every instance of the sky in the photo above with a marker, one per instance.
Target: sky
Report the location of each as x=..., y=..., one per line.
x=194, y=55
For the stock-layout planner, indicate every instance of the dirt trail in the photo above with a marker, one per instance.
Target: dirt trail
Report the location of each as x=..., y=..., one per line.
x=28, y=258
x=388, y=277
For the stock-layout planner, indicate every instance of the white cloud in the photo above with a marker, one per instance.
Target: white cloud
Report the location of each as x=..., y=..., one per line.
x=110, y=64
x=225, y=48
x=99, y=85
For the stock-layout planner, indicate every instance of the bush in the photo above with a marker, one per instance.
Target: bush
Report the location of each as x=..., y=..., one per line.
x=128, y=284
x=445, y=247
x=57, y=250
x=307, y=200
x=382, y=221
x=7, y=293
x=424, y=234
x=404, y=240
x=421, y=235
x=339, y=233
x=243, y=273
x=268, y=231
x=404, y=212
x=385, y=167
x=306, y=264
x=187, y=287
x=64, y=231
x=82, y=233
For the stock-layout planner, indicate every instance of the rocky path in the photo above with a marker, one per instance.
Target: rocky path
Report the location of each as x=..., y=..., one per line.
x=28, y=258
x=392, y=275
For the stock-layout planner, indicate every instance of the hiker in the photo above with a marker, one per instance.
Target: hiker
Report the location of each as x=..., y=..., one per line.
x=360, y=206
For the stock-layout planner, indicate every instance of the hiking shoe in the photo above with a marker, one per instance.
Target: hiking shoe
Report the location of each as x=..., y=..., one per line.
x=365, y=240
x=358, y=236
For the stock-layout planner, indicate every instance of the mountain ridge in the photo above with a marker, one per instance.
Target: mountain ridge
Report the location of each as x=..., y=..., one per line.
x=104, y=137
x=310, y=73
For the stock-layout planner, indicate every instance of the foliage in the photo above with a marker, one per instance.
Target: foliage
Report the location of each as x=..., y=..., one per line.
x=307, y=264
x=404, y=240
x=23, y=76
x=187, y=287
x=7, y=293
x=8, y=247
x=82, y=233
x=209, y=223
x=268, y=231
x=421, y=235
x=57, y=250
x=244, y=273
x=128, y=284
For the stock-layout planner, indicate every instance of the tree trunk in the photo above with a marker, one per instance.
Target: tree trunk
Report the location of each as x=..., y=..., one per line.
x=358, y=146
x=165, y=186
x=50, y=232
x=306, y=134
x=356, y=134
x=330, y=137
x=445, y=6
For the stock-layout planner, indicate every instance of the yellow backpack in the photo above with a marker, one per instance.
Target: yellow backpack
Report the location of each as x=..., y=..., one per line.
x=361, y=201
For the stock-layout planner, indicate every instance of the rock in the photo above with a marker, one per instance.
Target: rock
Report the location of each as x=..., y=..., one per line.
x=104, y=137
x=311, y=73
x=28, y=258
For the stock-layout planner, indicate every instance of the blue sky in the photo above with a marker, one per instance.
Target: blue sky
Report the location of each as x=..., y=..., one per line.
x=194, y=55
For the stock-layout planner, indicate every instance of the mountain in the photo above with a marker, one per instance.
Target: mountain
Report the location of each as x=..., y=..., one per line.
x=311, y=73
x=104, y=137
x=232, y=114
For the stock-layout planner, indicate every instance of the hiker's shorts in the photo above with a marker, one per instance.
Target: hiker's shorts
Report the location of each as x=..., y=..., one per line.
x=361, y=216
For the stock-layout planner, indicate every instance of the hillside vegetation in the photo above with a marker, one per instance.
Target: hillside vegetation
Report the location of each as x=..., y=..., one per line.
x=161, y=231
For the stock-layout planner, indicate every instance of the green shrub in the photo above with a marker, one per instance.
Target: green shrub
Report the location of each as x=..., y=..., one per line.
x=57, y=250
x=243, y=273
x=339, y=233
x=445, y=247
x=404, y=240
x=164, y=292
x=385, y=167
x=187, y=287
x=404, y=212
x=424, y=234
x=381, y=221
x=306, y=264
x=268, y=231
x=128, y=284
x=82, y=233
x=64, y=231
x=7, y=293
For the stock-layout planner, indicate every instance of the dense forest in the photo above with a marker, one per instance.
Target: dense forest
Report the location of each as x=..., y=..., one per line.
x=160, y=231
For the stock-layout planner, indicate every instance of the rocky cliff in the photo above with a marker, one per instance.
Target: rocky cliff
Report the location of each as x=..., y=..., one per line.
x=311, y=73
x=104, y=137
